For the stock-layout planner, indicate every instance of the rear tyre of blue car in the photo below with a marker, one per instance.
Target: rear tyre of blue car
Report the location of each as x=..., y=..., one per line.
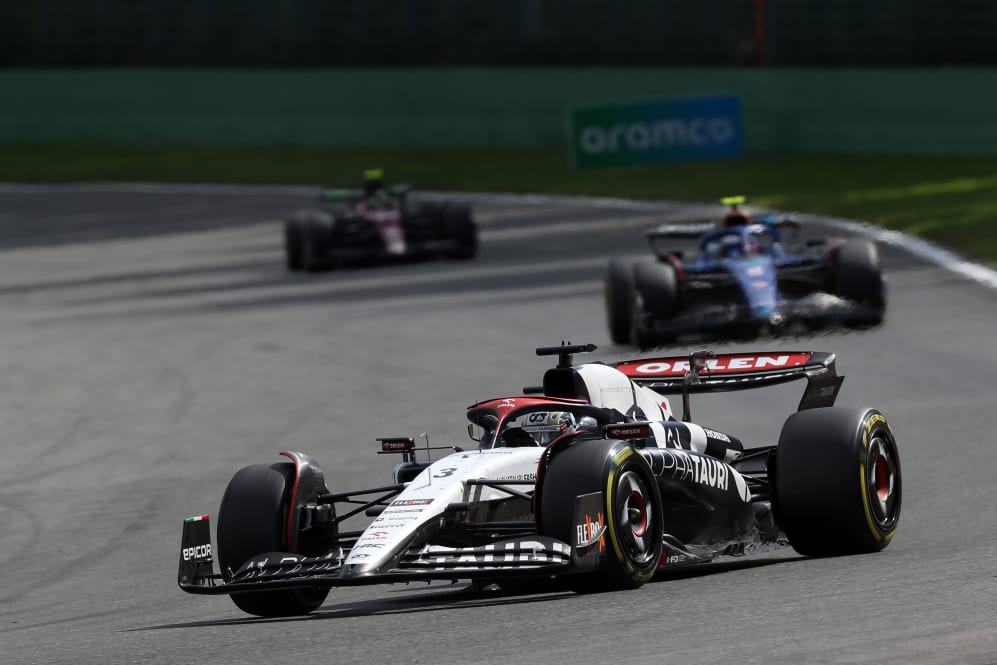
x=618, y=288
x=631, y=512
x=252, y=520
x=856, y=275
x=837, y=481
x=654, y=301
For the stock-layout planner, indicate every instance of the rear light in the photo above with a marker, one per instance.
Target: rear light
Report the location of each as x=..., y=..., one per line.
x=397, y=445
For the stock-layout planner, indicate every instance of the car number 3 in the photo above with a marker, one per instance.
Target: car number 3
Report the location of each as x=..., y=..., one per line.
x=443, y=473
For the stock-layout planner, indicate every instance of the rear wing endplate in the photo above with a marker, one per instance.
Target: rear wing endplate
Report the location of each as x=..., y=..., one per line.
x=707, y=373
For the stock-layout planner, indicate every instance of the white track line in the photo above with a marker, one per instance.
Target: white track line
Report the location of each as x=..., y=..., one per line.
x=923, y=249
x=919, y=247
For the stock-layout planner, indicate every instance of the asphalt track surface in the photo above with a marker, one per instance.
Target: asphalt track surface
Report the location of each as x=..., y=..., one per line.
x=151, y=343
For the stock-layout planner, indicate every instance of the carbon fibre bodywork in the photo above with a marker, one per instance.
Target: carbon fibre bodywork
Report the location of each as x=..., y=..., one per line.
x=350, y=228
x=746, y=280
x=577, y=506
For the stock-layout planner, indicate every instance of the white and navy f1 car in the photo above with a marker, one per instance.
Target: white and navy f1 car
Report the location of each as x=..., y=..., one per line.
x=588, y=480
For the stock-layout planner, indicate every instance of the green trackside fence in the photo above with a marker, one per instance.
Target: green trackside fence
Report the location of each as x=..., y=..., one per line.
x=931, y=111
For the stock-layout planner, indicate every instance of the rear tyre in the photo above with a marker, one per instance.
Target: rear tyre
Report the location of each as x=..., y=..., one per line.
x=431, y=209
x=618, y=288
x=317, y=241
x=459, y=227
x=856, y=275
x=294, y=244
x=838, y=482
x=252, y=520
x=654, y=298
x=631, y=505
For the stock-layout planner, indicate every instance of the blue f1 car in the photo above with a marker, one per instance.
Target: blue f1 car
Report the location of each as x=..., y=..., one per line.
x=744, y=279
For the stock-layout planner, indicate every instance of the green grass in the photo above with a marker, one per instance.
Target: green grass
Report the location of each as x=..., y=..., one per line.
x=951, y=200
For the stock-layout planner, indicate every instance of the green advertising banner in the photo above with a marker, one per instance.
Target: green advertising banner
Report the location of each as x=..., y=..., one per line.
x=655, y=130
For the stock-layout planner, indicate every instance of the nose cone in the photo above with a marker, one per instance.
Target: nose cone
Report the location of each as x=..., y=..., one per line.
x=758, y=282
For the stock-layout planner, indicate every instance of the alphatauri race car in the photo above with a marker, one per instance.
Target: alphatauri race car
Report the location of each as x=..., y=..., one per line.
x=376, y=225
x=744, y=278
x=587, y=482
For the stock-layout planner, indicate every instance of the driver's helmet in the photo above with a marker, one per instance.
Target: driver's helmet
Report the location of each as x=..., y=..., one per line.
x=588, y=424
x=735, y=218
x=556, y=424
x=759, y=242
x=373, y=182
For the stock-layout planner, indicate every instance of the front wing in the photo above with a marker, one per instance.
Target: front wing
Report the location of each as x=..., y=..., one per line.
x=816, y=308
x=713, y=300
x=375, y=252
x=531, y=556
x=525, y=557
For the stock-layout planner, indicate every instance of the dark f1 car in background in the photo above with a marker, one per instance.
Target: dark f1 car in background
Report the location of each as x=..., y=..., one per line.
x=377, y=224
x=588, y=480
x=744, y=278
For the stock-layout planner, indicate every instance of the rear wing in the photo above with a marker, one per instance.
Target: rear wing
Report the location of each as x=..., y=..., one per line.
x=334, y=194
x=350, y=195
x=660, y=238
x=704, y=372
x=689, y=231
x=695, y=230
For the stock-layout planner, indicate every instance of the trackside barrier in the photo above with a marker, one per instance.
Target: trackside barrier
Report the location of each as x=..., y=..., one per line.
x=909, y=111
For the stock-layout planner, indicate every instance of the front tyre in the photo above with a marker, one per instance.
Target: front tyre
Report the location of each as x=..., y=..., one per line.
x=252, y=520
x=838, y=482
x=630, y=549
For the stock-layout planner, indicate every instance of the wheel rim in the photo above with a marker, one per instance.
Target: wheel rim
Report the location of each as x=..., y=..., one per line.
x=635, y=515
x=882, y=482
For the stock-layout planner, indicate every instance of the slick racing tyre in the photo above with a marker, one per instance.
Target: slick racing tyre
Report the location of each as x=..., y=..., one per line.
x=317, y=242
x=837, y=481
x=253, y=520
x=654, y=298
x=631, y=512
x=459, y=228
x=294, y=241
x=856, y=275
x=618, y=287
